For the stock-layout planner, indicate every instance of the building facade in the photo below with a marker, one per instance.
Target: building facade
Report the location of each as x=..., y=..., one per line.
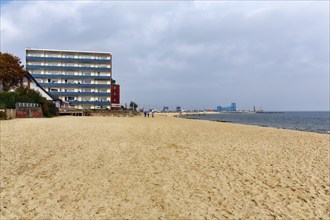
x=231, y=108
x=81, y=78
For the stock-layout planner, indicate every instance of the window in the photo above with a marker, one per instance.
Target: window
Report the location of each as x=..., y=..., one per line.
x=36, y=71
x=53, y=64
x=35, y=54
x=52, y=54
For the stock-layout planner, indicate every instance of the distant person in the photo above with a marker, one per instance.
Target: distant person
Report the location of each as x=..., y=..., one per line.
x=152, y=113
x=148, y=114
x=145, y=113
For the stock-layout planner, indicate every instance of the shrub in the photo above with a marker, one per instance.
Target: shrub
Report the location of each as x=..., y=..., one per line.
x=2, y=112
x=8, y=99
x=2, y=115
x=49, y=109
x=29, y=95
x=22, y=94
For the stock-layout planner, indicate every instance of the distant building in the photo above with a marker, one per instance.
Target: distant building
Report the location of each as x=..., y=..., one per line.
x=165, y=109
x=231, y=108
x=81, y=78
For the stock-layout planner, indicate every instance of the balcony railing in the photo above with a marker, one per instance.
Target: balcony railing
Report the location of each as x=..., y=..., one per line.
x=66, y=59
x=74, y=85
x=58, y=76
x=96, y=94
x=28, y=67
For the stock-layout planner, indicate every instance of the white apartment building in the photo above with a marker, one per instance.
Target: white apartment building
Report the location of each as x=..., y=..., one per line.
x=81, y=78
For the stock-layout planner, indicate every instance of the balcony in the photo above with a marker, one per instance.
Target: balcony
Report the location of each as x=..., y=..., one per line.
x=75, y=85
x=56, y=76
x=107, y=94
x=28, y=67
x=65, y=59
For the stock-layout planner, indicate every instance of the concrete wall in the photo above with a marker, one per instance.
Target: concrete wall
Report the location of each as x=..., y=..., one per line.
x=10, y=113
x=114, y=113
x=29, y=112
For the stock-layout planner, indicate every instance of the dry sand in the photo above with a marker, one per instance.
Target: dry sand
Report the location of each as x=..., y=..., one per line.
x=163, y=167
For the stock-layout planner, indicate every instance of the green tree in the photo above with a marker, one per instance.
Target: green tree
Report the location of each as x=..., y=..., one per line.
x=49, y=109
x=23, y=94
x=29, y=95
x=11, y=71
x=133, y=106
x=8, y=99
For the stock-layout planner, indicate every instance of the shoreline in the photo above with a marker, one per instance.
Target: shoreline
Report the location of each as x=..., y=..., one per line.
x=263, y=126
x=187, y=116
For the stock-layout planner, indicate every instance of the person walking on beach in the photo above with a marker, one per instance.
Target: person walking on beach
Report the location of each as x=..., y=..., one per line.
x=152, y=113
x=148, y=114
x=145, y=113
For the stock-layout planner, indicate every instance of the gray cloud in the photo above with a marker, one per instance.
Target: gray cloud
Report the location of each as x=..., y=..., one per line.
x=193, y=54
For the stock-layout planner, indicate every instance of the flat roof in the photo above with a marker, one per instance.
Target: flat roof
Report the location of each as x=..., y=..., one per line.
x=74, y=51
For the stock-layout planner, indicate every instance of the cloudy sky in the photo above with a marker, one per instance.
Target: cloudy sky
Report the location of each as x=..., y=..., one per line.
x=190, y=53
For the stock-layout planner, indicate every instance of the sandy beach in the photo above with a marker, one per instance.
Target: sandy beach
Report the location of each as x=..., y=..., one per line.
x=162, y=167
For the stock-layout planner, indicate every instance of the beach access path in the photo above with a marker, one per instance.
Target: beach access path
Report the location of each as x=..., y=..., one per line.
x=162, y=167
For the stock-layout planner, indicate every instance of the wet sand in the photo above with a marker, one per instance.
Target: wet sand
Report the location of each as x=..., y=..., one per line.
x=162, y=167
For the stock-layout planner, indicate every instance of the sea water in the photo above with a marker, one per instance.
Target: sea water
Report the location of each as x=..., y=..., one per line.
x=303, y=121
